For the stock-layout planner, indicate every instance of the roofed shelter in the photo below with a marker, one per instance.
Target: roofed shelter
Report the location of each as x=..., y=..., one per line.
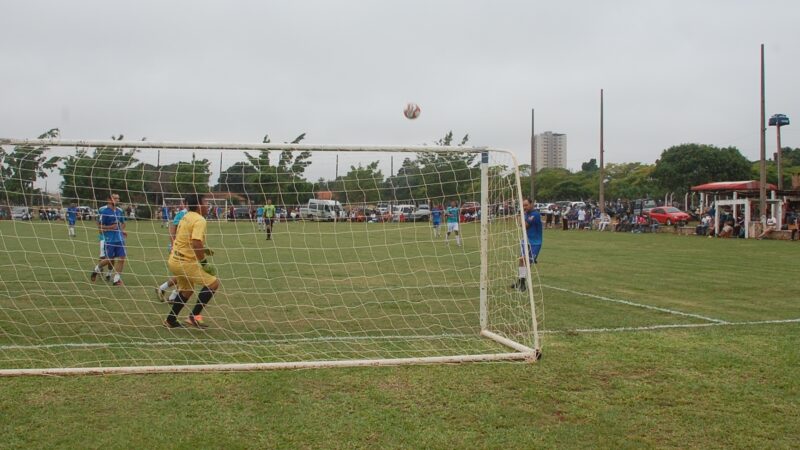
x=739, y=193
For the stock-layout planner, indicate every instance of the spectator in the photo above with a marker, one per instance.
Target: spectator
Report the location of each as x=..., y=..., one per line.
x=702, y=228
x=727, y=230
x=605, y=221
x=771, y=226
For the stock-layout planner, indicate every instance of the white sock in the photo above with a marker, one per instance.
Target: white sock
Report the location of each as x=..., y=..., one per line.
x=173, y=296
x=522, y=272
x=458, y=239
x=164, y=286
x=97, y=269
x=116, y=277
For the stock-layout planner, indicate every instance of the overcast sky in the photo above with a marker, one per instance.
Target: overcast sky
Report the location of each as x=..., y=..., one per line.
x=341, y=71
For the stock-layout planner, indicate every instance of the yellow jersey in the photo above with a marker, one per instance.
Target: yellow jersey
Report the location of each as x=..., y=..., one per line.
x=191, y=227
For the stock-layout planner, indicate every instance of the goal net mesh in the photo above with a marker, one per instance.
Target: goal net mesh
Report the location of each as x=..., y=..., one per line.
x=377, y=283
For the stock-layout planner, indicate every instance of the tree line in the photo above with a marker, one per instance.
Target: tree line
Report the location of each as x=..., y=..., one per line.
x=91, y=174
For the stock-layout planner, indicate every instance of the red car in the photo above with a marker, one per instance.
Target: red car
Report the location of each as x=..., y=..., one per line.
x=668, y=215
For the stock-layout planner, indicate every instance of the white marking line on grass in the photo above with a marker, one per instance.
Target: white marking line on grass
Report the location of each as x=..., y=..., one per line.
x=167, y=343
x=361, y=338
x=668, y=326
x=640, y=305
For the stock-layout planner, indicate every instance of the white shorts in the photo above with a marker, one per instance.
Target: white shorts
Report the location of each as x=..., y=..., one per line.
x=260, y=220
x=452, y=226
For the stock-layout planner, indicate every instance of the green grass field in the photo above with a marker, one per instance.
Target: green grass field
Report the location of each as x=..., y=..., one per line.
x=650, y=341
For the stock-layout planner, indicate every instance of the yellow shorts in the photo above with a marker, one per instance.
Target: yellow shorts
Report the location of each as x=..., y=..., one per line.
x=189, y=274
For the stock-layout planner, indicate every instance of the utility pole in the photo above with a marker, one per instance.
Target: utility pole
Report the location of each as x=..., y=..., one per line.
x=762, y=186
x=533, y=158
x=602, y=198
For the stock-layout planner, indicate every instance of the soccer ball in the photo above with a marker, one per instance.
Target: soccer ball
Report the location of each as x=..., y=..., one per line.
x=412, y=111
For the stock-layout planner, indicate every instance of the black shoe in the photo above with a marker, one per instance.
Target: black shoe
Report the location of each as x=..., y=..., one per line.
x=93, y=276
x=174, y=324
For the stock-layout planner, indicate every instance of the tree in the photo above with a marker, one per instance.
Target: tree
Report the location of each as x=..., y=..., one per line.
x=683, y=166
x=20, y=169
x=258, y=178
x=590, y=166
x=436, y=176
x=362, y=184
x=93, y=176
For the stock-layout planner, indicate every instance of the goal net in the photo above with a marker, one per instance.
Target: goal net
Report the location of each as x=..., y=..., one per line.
x=380, y=286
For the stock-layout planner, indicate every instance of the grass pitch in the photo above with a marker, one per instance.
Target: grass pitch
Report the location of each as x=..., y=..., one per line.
x=652, y=341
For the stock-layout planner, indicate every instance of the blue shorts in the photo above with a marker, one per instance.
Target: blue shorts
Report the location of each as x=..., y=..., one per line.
x=532, y=253
x=437, y=224
x=71, y=222
x=267, y=221
x=115, y=250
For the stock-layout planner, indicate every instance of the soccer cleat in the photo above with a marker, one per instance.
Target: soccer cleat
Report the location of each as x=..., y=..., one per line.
x=108, y=277
x=174, y=324
x=196, y=321
x=161, y=294
x=118, y=283
x=93, y=277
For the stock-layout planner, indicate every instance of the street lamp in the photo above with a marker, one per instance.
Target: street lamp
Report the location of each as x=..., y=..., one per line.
x=777, y=121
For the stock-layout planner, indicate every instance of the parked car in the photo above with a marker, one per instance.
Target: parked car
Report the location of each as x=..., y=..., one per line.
x=322, y=210
x=642, y=206
x=21, y=213
x=470, y=207
x=406, y=211
x=241, y=213
x=668, y=215
x=421, y=214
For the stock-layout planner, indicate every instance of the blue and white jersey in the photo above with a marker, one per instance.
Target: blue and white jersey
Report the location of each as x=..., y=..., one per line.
x=109, y=216
x=436, y=216
x=72, y=215
x=533, y=227
x=178, y=216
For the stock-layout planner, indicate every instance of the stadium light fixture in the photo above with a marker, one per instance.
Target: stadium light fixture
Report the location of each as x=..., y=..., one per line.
x=778, y=121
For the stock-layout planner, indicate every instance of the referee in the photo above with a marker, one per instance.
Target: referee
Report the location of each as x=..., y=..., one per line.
x=269, y=217
x=187, y=262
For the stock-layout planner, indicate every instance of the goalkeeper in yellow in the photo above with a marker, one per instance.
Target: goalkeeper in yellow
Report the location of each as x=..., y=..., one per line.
x=187, y=262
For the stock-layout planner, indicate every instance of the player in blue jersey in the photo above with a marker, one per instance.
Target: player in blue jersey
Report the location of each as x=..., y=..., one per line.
x=72, y=217
x=533, y=230
x=161, y=291
x=436, y=220
x=111, y=220
x=164, y=214
x=453, y=215
x=260, y=218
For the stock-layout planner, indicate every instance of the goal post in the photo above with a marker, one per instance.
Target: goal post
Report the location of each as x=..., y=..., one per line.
x=372, y=289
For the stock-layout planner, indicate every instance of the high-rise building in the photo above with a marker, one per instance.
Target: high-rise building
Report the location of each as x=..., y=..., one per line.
x=551, y=150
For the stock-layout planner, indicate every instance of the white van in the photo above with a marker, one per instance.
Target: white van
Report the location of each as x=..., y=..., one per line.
x=406, y=210
x=322, y=210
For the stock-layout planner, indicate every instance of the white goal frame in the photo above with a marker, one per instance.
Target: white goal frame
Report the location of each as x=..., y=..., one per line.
x=518, y=351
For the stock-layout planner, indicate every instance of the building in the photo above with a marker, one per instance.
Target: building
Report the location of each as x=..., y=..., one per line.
x=551, y=150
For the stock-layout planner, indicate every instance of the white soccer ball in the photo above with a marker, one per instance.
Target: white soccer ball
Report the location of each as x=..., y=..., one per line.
x=412, y=111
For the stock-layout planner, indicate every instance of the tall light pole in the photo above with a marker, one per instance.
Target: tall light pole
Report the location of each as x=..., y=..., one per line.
x=762, y=186
x=533, y=158
x=602, y=197
x=777, y=121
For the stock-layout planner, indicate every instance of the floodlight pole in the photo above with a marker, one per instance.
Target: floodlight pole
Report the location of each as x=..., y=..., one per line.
x=533, y=158
x=602, y=196
x=778, y=159
x=762, y=185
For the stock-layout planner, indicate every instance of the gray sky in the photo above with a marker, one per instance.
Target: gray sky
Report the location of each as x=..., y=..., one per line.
x=673, y=71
